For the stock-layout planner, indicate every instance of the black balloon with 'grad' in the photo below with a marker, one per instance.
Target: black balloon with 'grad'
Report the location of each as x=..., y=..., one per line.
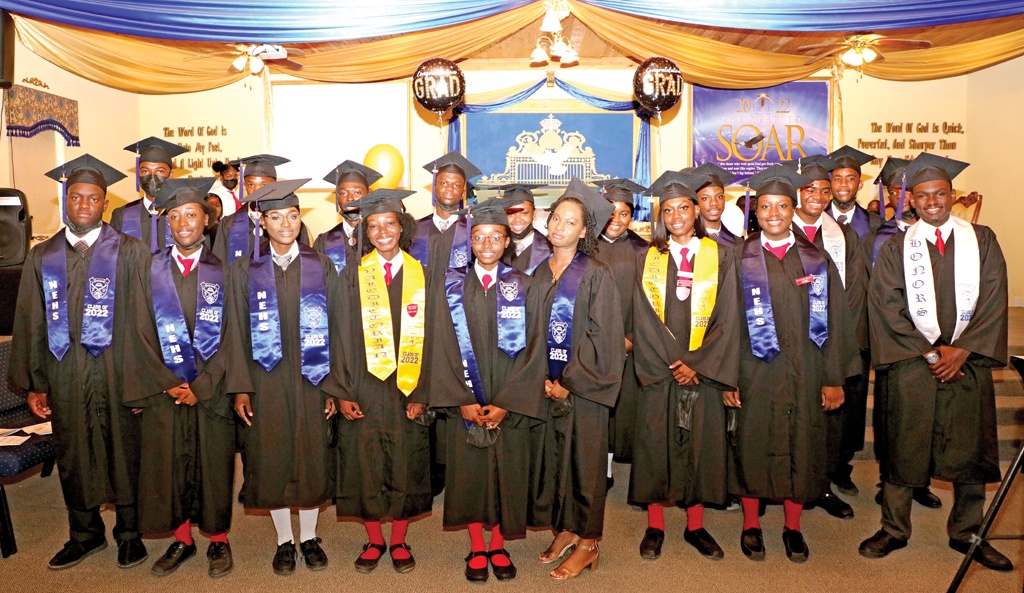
x=438, y=85
x=657, y=84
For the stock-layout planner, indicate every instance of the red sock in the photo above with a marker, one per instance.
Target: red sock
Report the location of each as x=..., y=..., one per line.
x=398, y=529
x=792, y=511
x=376, y=536
x=695, y=517
x=751, y=511
x=498, y=543
x=183, y=533
x=476, y=544
x=219, y=538
x=656, y=516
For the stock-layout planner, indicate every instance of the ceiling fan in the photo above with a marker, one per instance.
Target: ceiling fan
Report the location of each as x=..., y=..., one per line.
x=254, y=57
x=857, y=50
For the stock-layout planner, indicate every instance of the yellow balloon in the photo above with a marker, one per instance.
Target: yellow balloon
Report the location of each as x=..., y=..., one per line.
x=386, y=160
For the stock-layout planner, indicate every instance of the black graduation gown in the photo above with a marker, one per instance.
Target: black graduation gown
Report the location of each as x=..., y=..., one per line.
x=96, y=439
x=222, y=245
x=780, y=438
x=621, y=257
x=945, y=430
x=351, y=255
x=725, y=238
x=288, y=462
x=188, y=452
x=861, y=220
x=488, y=485
x=671, y=464
x=145, y=224
x=521, y=262
x=383, y=458
x=571, y=451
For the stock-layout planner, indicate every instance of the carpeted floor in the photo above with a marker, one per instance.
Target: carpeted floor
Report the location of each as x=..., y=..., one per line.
x=927, y=565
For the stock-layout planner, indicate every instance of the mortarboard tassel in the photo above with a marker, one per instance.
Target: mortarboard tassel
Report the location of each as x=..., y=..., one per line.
x=746, y=211
x=881, y=200
x=64, y=194
x=433, y=186
x=138, y=157
x=903, y=195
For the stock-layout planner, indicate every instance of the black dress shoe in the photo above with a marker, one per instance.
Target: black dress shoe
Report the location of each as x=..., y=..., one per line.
x=218, y=559
x=881, y=545
x=833, y=505
x=752, y=543
x=796, y=547
x=704, y=543
x=926, y=498
x=284, y=559
x=845, y=485
x=609, y=483
x=406, y=564
x=175, y=556
x=313, y=554
x=364, y=565
x=650, y=545
x=476, y=575
x=502, y=573
x=74, y=552
x=984, y=554
x=879, y=497
x=131, y=553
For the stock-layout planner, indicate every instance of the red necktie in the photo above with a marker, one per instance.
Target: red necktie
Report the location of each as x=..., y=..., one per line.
x=186, y=264
x=684, y=262
x=684, y=279
x=387, y=273
x=810, y=231
x=238, y=205
x=780, y=251
x=487, y=281
x=939, y=243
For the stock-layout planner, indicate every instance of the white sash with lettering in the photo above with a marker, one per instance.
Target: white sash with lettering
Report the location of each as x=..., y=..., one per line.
x=835, y=244
x=917, y=273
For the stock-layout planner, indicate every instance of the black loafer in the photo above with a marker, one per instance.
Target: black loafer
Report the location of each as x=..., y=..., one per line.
x=477, y=575
x=609, y=482
x=833, y=505
x=704, y=543
x=752, y=543
x=364, y=565
x=218, y=559
x=881, y=545
x=131, y=553
x=650, y=545
x=175, y=556
x=74, y=552
x=926, y=498
x=845, y=485
x=313, y=554
x=984, y=554
x=284, y=559
x=502, y=573
x=796, y=547
x=404, y=565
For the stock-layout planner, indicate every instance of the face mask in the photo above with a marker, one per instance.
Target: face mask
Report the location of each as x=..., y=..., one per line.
x=520, y=236
x=81, y=231
x=350, y=215
x=231, y=184
x=151, y=184
x=447, y=208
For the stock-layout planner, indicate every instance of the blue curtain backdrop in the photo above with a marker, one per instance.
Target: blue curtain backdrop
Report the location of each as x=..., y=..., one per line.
x=298, y=21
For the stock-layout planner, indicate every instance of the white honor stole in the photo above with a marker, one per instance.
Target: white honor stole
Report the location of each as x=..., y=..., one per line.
x=835, y=244
x=920, y=285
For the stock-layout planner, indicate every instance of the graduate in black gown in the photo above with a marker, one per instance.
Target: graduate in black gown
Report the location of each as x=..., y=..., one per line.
x=846, y=182
x=69, y=337
x=619, y=248
x=711, y=181
x=154, y=163
x=489, y=335
x=938, y=313
x=351, y=181
x=795, y=353
x=529, y=246
x=684, y=306
x=586, y=350
x=383, y=449
x=187, y=424
x=278, y=340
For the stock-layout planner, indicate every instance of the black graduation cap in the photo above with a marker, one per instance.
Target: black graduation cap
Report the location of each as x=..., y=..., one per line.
x=849, y=157
x=599, y=207
x=778, y=180
x=490, y=212
x=260, y=165
x=381, y=200
x=929, y=167
x=184, y=190
x=619, y=189
x=155, y=150
x=276, y=195
x=352, y=171
x=515, y=193
x=454, y=162
x=816, y=167
x=673, y=184
x=86, y=169
x=712, y=175
x=891, y=167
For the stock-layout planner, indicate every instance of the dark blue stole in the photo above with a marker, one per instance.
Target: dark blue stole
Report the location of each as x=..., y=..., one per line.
x=265, y=317
x=336, y=246
x=459, y=257
x=888, y=230
x=98, y=310
x=540, y=251
x=131, y=224
x=757, y=298
x=560, y=323
x=238, y=235
x=725, y=238
x=176, y=346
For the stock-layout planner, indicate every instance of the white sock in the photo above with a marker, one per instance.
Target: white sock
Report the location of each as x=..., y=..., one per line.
x=307, y=524
x=283, y=524
x=610, y=464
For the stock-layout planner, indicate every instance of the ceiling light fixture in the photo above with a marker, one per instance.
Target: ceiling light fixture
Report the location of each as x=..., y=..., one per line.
x=557, y=48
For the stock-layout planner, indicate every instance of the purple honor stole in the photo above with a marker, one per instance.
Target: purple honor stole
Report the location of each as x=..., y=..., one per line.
x=560, y=323
x=420, y=249
x=98, y=310
x=177, y=348
x=764, y=341
x=336, y=247
x=238, y=235
x=888, y=230
x=540, y=251
x=131, y=220
x=859, y=221
x=459, y=257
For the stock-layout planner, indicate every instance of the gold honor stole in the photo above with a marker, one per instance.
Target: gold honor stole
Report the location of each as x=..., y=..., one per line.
x=377, y=328
x=702, y=294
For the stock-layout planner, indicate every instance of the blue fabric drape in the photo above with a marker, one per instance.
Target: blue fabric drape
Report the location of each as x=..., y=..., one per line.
x=261, y=21
x=455, y=124
x=816, y=15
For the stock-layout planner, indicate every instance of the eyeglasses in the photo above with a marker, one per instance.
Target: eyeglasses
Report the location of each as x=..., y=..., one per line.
x=493, y=239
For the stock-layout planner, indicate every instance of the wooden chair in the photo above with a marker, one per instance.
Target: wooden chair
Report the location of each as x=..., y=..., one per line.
x=968, y=207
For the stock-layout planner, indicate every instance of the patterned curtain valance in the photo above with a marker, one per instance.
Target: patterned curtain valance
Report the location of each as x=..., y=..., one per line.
x=30, y=111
